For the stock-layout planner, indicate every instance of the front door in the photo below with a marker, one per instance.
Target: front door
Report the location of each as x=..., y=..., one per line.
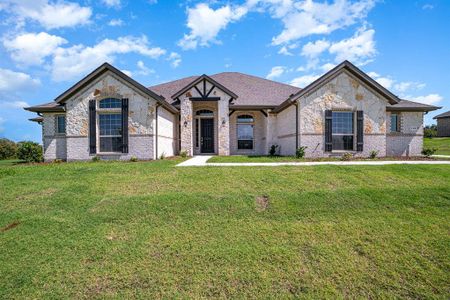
x=207, y=135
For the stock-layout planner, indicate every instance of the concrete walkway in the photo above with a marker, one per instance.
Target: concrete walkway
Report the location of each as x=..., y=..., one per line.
x=440, y=155
x=201, y=161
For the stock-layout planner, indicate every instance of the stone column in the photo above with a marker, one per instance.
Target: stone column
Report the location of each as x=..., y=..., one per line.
x=223, y=126
x=186, y=131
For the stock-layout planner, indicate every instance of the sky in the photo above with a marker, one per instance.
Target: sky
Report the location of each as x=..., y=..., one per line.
x=47, y=46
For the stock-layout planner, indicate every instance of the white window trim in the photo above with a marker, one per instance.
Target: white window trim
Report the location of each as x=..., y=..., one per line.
x=245, y=123
x=57, y=125
x=342, y=134
x=105, y=112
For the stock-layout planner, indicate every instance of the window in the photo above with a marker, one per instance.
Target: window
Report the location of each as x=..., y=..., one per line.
x=110, y=103
x=205, y=113
x=342, y=130
x=110, y=134
x=245, y=132
x=196, y=132
x=60, y=124
x=395, y=123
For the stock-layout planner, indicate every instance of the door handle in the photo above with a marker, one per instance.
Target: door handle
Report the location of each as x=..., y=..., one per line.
x=201, y=140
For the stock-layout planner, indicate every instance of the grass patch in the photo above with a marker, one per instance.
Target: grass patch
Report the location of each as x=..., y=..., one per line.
x=441, y=144
x=10, y=162
x=150, y=230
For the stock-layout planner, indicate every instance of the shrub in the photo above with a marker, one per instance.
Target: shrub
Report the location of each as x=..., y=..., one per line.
x=163, y=155
x=347, y=156
x=430, y=131
x=273, y=150
x=8, y=149
x=29, y=152
x=95, y=159
x=428, y=151
x=133, y=159
x=57, y=161
x=373, y=154
x=183, y=154
x=300, y=152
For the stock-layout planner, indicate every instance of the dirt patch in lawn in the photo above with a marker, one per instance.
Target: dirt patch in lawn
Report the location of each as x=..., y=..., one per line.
x=10, y=226
x=262, y=203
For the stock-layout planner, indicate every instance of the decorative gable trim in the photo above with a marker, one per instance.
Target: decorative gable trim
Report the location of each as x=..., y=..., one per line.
x=204, y=93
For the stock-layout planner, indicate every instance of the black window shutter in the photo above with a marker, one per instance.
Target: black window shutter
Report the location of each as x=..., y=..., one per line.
x=125, y=125
x=359, y=130
x=92, y=128
x=328, y=130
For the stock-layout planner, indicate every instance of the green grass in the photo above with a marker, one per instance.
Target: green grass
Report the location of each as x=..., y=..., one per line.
x=442, y=144
x=10, y=162
x=150, y=230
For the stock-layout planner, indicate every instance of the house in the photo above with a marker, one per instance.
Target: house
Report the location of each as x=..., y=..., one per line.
x=443, y=124
x=110, y=115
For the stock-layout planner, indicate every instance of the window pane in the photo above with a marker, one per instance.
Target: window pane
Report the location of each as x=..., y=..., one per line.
x=110, y=124
x=245, y=119
x=61, y=124
x=205, y=113
x=245, y=136
x=394, y=122
x=110, y=103
x=342, y=142
x=342, y=122
x=110, y=144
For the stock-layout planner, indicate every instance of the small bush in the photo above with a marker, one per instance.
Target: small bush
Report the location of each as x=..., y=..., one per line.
x=300, y=152
x=183, y=154
x=29, y=152
x=57, y=161
x=8, y=149
x=163, y=156
x=428, y=151
x=273, y=150
x=373, y=154
x=347, y=156
x=133, y=159
x=96, y=159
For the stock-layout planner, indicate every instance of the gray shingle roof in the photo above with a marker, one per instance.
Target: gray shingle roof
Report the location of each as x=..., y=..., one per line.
x=251, y=90
x=46, y=107
x=411, y=106
x=443, y=115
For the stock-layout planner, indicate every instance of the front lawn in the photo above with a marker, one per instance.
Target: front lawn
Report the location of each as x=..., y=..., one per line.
x=150, y=230
x=441, y=144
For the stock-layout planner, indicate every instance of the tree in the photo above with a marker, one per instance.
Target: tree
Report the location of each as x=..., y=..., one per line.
x=29, y=151
x=8, y=149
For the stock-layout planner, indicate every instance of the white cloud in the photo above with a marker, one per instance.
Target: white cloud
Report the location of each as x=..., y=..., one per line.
x=387, y=82
x=314, y=49
x=14, y=104
x=127, y=72
x=50, y=15
x=116, y=22
x=358, y=49
x=11, y=81
x=205, y=24
x=32, y=48
x=285, y=50
x=71, y=62
x=304, y=80
x=327, y=67
x=276, y=71
x=428, y=99
x=112, y=3
x=304, y=18
x=143, y=69
x=405, y=86
x=427, y=6
x=175, y=59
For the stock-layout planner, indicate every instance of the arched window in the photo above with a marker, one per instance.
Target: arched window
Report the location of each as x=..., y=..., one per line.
x=245, y=124
x=110, y=103
x=204, y=113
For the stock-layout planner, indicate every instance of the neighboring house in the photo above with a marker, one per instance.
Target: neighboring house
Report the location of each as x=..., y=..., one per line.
x=443, y=124
x=110, y=115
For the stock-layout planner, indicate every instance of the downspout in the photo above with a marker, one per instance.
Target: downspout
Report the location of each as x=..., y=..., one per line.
x=296, y=125
x=156, y=131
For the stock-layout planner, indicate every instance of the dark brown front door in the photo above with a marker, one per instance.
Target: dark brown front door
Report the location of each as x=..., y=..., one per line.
x=207, y=135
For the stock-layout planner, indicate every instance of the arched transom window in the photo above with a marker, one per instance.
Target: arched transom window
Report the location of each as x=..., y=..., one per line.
x=245, y=124
x=110, y=103
x=204, y=113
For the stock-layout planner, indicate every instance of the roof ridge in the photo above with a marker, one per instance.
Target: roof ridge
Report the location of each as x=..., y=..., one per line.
x=258, y=77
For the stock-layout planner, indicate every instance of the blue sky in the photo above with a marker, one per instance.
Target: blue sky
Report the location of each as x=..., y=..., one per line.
x=47, y=46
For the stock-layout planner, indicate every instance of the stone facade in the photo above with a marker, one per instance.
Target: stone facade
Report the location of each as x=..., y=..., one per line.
x=176, y=132
x=443, y=127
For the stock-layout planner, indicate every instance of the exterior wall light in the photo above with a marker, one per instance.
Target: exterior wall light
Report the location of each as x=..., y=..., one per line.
x=185, y=123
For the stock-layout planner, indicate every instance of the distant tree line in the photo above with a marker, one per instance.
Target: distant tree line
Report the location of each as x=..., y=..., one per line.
x=430, y=131
x=26, y=150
